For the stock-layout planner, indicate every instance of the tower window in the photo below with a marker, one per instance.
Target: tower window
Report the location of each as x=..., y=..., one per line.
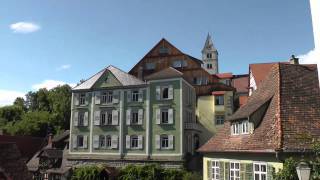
x=209, y=55
x=209, y=66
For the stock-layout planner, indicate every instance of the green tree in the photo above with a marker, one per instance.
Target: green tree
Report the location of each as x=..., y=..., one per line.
x=289, y=170
x=20, y=102
x=87, y=173
x=11, y=113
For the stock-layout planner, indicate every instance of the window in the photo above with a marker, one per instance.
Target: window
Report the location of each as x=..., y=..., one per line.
x=103, y=119
x=164, y=142
x=81, y=119
x=165, y=93
x=215, y=170
x=164, y=116
x=134, y=142
x=177, y=64
x=219, y=119
x=209, y=66
x=163, y=50
x=82, y=99
x=109, y=120
x=80, y=141
x=134, y=117
x=135, y=96
x=228, y=82
x=235, y=128
x=102, y=141
x=219, y=100
x=106, y=118
x=245, y=127
x=209, y=55
x=108, y=141
x=150, y=66
x=234, y=171
x=260, y=171
x=107, y=97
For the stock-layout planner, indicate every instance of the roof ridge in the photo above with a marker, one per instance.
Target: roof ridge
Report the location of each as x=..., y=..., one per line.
x=280, y=145
x=91, y=77
x=124, y=73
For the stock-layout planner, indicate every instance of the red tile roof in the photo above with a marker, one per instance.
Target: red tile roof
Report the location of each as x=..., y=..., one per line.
x=241, y=83
x=27, y=145
x=224, y=75
x=291, y=97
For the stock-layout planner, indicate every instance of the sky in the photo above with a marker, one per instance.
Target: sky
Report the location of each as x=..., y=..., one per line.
x=49, y=42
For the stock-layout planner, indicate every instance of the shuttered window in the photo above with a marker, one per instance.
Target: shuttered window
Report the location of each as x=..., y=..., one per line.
x=82, y=99
x=135, y=96
x=108, y=141
x=134, y=142
x=80, y=140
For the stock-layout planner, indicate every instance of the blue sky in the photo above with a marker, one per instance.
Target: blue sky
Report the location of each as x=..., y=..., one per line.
x=73, y=39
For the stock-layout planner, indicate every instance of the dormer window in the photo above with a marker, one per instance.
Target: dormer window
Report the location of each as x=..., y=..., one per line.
x=163, y=50
x=242, y=127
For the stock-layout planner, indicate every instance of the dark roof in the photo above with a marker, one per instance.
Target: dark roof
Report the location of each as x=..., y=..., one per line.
x=26, y=145
x=61, y=136
x=194, y=59
x=289, y=99
x=224, y=75
x=51, y=153
x=124, y=78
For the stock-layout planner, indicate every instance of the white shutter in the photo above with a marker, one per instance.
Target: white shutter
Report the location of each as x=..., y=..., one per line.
x=114, y=141
x=96, y=121
x=170, y=96
x=85, y=141
x=129, y=96
x=157, y=141
x=170, y=114
x=97, y=97
x=127, y=141
x=158, y=116
x=96, y=141
x=87, y=98
x=140, y=95
x=86, y=119
x=115, y=98
x=171, y=141
x=76, y=118
x=74, y=141
x=140, y=116
x=128, y=120
x=76, y=99
x=140, y=142
x=115, y=117
x=158, y=92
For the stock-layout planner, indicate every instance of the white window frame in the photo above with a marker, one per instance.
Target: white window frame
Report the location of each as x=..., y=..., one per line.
x=107, y=97
x=78, y=141
x=234, y=170
x=82, y=99
x=161, y=116
x=164, y=138
x=134, y=138
x=135, y=96
x=215, y=170
x=132, y=119
x=259, y=172
x=219, y=118
x=220, y=99
x=235, y=128
x=244, y=127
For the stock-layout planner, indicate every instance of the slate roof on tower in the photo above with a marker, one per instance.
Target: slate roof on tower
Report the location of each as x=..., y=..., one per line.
x=209, y=44
x=124, y=78
x=289, y=98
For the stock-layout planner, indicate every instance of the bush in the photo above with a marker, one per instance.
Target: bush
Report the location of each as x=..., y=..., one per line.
x=87, y=173
x=289, y=171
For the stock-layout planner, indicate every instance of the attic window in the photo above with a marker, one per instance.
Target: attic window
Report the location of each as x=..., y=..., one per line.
x=242, y=127
x=163, y=50
x=150, y=66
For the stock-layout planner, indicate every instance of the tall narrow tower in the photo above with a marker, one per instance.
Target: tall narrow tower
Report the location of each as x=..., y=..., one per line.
x=210, y=56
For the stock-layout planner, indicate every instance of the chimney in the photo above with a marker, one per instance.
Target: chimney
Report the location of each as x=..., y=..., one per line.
x=50, y=136
x=140, y=72
x=294, y=60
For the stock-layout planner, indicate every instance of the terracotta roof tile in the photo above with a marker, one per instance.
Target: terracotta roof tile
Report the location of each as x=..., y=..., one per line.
x=292, y=113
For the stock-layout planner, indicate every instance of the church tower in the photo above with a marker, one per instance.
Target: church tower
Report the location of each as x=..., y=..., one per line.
x=210, y=56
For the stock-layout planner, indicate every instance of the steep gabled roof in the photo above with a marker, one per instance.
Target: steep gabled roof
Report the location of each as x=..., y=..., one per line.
x=124, y=78
x=291, y=97
x=165, y=74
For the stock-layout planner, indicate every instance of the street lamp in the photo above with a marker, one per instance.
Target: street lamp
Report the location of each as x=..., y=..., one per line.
x=303, y=170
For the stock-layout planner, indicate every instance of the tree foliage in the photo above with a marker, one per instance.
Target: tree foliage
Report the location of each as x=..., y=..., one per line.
x=87, y=173
x=155, y=172
x=289, y=170
x=41, y=109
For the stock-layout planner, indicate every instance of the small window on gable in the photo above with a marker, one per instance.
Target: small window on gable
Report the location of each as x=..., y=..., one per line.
x=150, y=66
x=163, y=50
x=177, y=64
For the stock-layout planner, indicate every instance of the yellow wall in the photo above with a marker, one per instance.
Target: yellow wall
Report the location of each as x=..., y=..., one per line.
x=206, y=111
x=206, y=160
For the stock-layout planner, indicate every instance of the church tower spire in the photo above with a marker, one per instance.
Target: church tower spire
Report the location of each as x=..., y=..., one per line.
x=210, y=56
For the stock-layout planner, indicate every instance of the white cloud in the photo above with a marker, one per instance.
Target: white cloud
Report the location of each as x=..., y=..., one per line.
x=24, y=27
x=50, y=84
x=64, y=67
x=7, y=97
x=312, y=57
